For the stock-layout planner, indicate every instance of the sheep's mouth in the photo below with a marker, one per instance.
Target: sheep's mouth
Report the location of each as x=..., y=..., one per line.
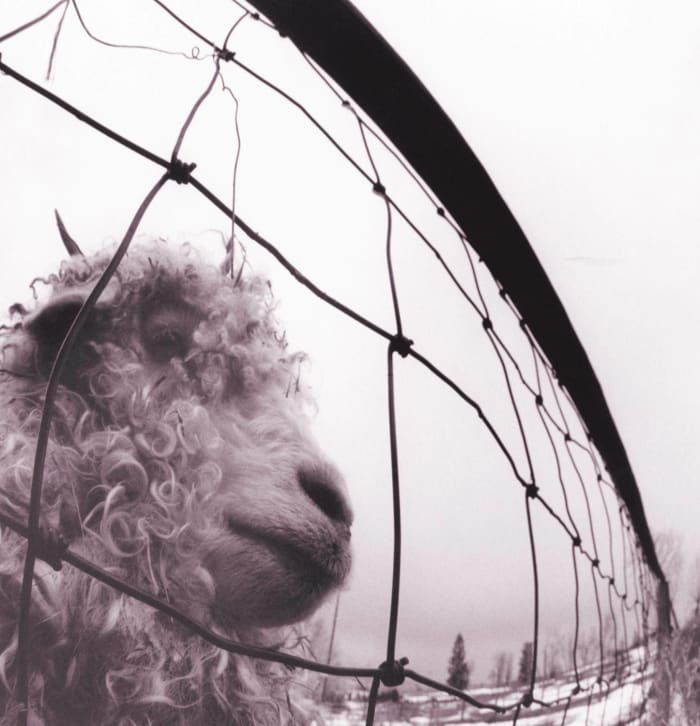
x=324, y=560
x=267, y=576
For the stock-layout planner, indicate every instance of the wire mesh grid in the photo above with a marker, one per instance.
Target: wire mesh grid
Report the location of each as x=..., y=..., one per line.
x=609, y=563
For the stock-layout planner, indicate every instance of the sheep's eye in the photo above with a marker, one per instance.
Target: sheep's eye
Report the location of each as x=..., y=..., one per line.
x=168, y=342
x=167, y=333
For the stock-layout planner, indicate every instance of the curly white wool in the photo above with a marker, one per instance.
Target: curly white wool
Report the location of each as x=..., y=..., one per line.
x=181, y=460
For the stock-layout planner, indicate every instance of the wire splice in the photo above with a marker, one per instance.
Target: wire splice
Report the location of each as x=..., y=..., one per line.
x=50, y=546
x=401, y=344
x=392, y=673
x=532, y=490
x=181, y=171
x=226, y=55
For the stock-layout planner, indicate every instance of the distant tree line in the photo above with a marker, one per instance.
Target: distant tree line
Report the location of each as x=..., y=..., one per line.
x=551, y=663
x=459, y=670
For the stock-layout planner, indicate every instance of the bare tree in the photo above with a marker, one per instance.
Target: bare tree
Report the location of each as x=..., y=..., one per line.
x=525, y=663
x=695, y=587
x=669, y=550
x=502, y=673
x=588, y=651
x=552, y=659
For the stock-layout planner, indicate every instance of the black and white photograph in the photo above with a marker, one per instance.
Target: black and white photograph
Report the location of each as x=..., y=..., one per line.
x=348, y=359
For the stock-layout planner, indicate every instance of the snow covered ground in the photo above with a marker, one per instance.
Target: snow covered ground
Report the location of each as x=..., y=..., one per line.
x=612, y=704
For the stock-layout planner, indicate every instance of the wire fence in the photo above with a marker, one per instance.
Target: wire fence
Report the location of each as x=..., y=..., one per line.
x=605, y=553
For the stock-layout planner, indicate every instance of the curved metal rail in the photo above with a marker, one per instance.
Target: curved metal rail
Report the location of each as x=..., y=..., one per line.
x=340, y=40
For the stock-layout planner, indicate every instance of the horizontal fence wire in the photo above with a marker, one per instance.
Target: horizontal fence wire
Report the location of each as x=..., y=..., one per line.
x=543, y=391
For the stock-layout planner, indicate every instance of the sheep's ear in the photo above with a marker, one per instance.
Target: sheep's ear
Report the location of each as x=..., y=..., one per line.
x=49, y=326
x=68, y=242
x=50, y=323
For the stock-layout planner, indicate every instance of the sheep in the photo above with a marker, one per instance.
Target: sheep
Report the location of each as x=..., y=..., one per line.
x=180, y=459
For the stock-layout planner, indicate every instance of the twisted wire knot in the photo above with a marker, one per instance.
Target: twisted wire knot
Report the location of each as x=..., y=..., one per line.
x=532, y=490
x=226, y=55
x=392, y=674
x=401, y=344
x=181, y=171
x=50, y=546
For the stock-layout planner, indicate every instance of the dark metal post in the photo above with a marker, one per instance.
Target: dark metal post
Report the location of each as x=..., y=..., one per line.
x=330, y=644
x=662, y=679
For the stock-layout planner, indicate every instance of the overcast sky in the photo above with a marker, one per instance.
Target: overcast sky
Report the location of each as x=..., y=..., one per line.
x=586, y=117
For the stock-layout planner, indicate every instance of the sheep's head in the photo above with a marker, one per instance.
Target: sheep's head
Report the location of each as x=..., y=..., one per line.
x=180, y=454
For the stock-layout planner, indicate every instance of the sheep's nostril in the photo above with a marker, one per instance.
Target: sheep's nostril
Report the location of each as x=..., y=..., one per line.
x=323, y=490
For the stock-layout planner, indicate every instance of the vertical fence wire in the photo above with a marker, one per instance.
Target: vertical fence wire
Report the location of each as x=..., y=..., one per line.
x=57, y=369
